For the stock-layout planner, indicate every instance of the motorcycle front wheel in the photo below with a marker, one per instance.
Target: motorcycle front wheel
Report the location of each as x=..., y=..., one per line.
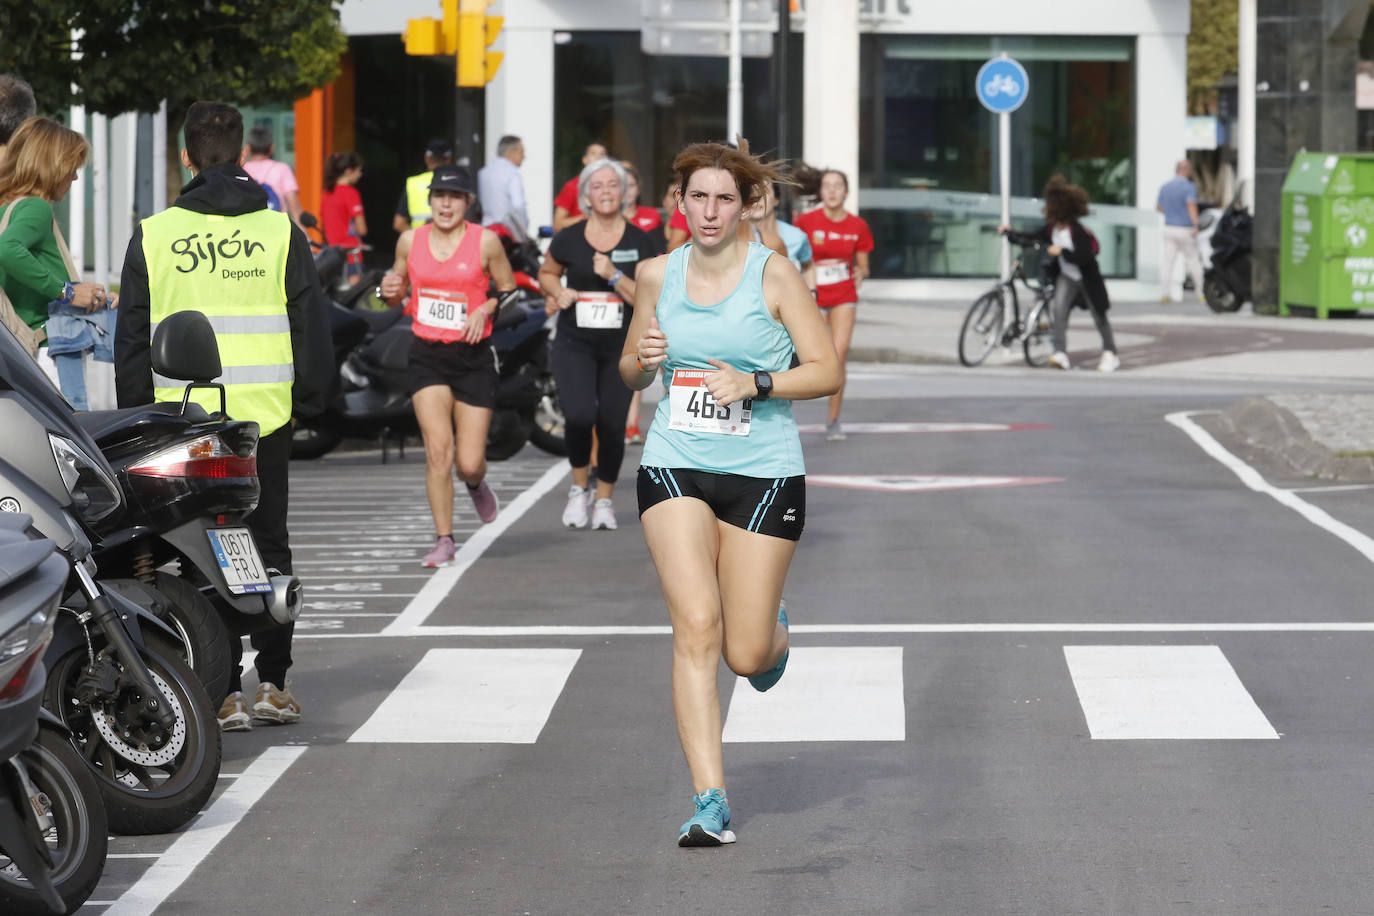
x=548, y=419
x=151, y=780
x=77, y=841
x=508, y=433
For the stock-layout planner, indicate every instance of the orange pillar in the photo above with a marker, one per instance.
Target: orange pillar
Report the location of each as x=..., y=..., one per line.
x=313, y=144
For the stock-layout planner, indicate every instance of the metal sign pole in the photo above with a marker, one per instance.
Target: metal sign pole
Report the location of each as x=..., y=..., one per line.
x=735, y=120
x=1004, y=179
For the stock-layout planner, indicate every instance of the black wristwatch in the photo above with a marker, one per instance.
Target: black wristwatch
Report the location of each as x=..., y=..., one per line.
x=763, y=381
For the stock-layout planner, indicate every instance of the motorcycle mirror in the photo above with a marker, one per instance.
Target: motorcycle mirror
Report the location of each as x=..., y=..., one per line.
x=308, y=220
x=185, y=349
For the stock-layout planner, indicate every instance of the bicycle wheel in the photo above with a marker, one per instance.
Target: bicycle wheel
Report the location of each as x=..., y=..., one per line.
x=982, y=328
x=1038, y=344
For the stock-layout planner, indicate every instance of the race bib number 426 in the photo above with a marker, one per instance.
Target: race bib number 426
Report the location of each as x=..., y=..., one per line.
x=440, y=309
x=692, y=408
x=830, y=272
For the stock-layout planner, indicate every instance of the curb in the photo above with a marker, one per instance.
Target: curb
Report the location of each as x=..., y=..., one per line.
x=1279, y=435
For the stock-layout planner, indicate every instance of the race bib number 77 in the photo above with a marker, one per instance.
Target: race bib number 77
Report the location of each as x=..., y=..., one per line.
x=692, y=408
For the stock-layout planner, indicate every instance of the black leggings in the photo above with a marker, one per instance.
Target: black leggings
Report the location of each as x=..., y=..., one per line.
x=592, y=394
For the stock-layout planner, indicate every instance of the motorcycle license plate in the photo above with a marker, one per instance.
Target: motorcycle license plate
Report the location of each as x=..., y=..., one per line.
x=239, y=560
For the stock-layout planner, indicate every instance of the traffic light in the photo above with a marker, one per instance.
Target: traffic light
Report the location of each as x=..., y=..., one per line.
x=465, y=31
x=477, y=32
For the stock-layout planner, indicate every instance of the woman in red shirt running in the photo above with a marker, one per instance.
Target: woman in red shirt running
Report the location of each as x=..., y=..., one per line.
x=840, y=243
x=447, y=264
x=341, y=209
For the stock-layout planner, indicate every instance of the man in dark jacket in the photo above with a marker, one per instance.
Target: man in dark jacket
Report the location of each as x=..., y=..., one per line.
x=219, y=250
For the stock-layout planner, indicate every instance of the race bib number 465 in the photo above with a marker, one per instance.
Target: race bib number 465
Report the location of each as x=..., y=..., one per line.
x=691, y=407
x=830, y=272
x=440, y=309
x=599, y=310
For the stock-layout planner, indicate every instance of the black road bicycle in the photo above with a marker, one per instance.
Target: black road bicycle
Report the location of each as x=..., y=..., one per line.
x=994, y=319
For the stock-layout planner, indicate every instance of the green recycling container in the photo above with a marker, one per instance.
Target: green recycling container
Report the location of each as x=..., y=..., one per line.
x=1326, y=254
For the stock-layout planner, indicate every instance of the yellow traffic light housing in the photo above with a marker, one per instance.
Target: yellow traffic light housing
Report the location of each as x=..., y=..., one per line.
x=477, y=32
x=465, y=31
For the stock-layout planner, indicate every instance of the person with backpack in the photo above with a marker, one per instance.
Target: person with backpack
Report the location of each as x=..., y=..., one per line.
x=1079, y=278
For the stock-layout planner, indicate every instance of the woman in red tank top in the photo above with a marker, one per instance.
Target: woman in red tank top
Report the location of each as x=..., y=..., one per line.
x=447, y=265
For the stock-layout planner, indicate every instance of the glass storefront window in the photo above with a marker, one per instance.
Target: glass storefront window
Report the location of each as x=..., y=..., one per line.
x=928, y=149
x=647, y=108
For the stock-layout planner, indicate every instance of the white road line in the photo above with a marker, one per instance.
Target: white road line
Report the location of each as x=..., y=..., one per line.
x=132, y=855
x=438, y=588
x=860, y=629
x=192, y=847
x=472, y=696
x=1252, y=479
x=1163, y=692
x=828, y=694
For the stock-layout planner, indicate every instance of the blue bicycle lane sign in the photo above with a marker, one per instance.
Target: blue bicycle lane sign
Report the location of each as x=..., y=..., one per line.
x=1002, y=85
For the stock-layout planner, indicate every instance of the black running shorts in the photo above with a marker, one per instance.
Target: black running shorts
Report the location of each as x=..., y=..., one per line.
x=469, y=370
x=774, y=506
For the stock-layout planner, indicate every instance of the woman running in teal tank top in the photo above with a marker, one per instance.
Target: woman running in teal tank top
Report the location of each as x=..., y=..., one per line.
x=722, y=491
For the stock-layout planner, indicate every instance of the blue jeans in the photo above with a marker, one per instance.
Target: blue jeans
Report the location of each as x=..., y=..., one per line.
x=72, y=331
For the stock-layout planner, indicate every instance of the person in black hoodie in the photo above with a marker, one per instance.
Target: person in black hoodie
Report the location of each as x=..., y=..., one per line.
x=221, y=251
x=1079, y=278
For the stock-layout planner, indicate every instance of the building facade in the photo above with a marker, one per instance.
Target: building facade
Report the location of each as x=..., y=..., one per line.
x=881, y=89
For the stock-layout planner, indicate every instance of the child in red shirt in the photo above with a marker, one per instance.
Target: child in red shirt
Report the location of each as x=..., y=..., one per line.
x=341, y=209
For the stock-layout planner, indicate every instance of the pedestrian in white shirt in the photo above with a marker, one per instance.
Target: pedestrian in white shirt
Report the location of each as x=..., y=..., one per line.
x=500, y=189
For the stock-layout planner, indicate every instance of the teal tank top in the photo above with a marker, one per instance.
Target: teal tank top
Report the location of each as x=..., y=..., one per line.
x=738, y=330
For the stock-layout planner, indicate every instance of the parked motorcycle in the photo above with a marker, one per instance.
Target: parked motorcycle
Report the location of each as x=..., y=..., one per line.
x=138, y=716
x=1226, y=281
x=188, y=478
x=52, y=822
x=372, y=351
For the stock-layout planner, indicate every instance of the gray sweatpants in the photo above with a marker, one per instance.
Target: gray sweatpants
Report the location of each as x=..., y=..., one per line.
x=1066, y=293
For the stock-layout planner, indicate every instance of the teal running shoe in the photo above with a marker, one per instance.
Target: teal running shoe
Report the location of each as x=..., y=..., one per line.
x=709, y=826
x=762, y=682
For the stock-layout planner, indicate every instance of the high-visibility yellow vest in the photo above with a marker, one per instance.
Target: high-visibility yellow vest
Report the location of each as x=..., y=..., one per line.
x=417, y=198
x=232, y=269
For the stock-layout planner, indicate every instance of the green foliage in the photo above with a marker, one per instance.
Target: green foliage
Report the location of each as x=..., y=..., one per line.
x=135, y=53
x=1212, y=51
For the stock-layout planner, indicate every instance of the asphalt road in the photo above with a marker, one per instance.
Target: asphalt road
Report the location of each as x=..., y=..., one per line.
x=1069, y=663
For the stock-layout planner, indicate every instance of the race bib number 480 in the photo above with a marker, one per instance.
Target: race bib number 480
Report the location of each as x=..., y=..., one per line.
x=692, y=408
x=599, y=310
x=440, y=309
x=830, y=272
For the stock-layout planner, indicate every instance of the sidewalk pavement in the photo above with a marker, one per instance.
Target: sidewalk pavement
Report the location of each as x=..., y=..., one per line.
x=1326, y=434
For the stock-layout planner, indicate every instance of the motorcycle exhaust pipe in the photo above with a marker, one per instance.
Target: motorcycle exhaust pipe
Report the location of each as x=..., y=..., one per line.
x=286, y=600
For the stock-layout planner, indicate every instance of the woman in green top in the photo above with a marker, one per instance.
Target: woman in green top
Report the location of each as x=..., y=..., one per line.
x=38, y=169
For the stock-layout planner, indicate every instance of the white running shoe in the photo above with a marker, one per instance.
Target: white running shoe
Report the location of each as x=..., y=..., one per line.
x=1110, y=362
x=1060, y=360
x=603, y=515
x=575, y=513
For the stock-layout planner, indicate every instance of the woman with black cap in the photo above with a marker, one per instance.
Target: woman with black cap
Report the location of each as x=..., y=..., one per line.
x=448, y=265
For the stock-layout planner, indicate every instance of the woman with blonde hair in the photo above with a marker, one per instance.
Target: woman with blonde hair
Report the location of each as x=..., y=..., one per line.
x=37, y=171
x=722, y=486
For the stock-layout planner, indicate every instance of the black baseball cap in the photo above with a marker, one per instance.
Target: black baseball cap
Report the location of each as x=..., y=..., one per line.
x=439, y=149
x=452, y=178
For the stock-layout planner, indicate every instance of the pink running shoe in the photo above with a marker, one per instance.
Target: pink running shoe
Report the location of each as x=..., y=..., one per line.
x=441, y=555
x=484, y=501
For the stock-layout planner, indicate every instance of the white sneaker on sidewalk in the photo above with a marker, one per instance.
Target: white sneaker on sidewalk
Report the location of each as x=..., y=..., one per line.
x=1060, y=360
x=1110, y=362
x=575, y=512
x=603, y=515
